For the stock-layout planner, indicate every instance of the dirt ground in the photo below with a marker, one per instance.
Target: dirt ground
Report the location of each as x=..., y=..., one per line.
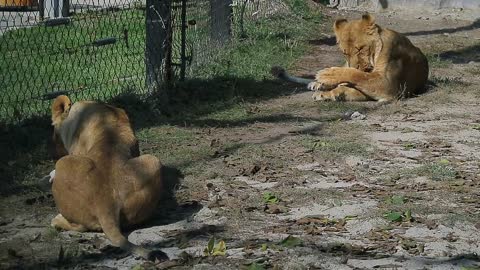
x=311, y=185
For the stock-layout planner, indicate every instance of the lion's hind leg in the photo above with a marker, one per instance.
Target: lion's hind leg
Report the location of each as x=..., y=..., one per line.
x=60, y=222
x=340, y=93
x=145, y=173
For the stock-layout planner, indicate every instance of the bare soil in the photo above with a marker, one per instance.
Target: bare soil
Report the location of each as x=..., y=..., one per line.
x=398, y=189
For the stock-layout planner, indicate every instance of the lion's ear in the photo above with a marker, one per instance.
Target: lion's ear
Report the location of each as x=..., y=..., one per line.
x=368, y=19
x=369, y=23
x=60, y=105
x=339, y=24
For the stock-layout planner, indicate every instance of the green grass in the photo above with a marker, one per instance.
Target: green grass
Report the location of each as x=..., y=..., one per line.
x=437, y=171
x=334, y=147
x=39, y=60
x=268, y=41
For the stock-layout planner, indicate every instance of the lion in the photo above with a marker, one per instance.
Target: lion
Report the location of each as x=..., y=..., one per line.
x=381, y=65
x=102, y=183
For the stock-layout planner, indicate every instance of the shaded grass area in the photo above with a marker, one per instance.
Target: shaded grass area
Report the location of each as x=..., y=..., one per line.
x=240, y=76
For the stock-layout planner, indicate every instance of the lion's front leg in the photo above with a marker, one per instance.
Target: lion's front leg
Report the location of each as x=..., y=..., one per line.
x=329, y=78
x=371, y=84
x=340, y=93
x=332, y=77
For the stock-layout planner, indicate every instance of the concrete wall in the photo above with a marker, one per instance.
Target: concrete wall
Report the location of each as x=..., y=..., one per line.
x=407, y=4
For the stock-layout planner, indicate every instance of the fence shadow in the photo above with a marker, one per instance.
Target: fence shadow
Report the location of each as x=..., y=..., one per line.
x=463, y=55
x=474, y=25
x=329, y=41
x=195, y=98
x=26, y=145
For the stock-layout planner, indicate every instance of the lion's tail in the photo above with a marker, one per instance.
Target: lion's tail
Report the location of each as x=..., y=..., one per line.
x=111, y=228
x=280, y=73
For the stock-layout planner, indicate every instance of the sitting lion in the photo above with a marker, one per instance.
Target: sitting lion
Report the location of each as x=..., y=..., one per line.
x=382, y=65
x=102, y=183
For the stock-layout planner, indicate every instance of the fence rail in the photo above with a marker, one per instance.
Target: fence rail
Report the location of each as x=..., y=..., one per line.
x=99, y=49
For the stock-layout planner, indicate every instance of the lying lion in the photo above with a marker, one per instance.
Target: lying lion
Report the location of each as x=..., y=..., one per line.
x=103, y=183
x=382, y=65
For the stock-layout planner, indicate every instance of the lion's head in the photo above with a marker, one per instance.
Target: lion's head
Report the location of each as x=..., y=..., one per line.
x=359, y=41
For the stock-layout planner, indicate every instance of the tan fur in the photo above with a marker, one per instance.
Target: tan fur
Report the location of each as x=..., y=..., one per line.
x=381, y=65
x=102, y=184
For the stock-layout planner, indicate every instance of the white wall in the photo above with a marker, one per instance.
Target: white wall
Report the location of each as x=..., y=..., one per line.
x=409, y=4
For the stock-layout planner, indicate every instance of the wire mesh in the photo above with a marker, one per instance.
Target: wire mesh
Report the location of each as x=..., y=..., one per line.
x=211, y=26
x=95, y=49
x=95, y=53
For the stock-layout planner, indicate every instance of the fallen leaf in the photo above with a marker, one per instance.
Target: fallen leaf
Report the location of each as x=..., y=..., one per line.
x=269, y=197
x=291, y=241
x=444, y=161
x=220, y=249
x=273, y=209
x=408, y=215
x=256, y=266
x=209, y=249
x=394, y=216
x=396, y=199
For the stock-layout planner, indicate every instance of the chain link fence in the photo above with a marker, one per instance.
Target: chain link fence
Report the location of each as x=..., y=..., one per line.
x=102, y=48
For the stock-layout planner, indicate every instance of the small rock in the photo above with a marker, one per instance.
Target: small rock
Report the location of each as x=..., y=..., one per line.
x=273, y=209
x=357, y=115
x=354, y=116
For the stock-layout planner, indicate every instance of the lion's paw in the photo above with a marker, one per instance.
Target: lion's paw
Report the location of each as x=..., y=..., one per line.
x=52, y=176
x=315, y=86
x=322, y=96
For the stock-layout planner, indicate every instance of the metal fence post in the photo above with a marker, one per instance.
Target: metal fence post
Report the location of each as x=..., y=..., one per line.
x=66, y=8
x=183, y=44
x=221, y=20
x=41, y=9
x=157, y=20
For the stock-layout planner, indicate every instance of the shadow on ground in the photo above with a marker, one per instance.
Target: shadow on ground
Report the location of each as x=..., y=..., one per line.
x=472, y=26
x=463, y=55
x=331, y=40
x=27, y=145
